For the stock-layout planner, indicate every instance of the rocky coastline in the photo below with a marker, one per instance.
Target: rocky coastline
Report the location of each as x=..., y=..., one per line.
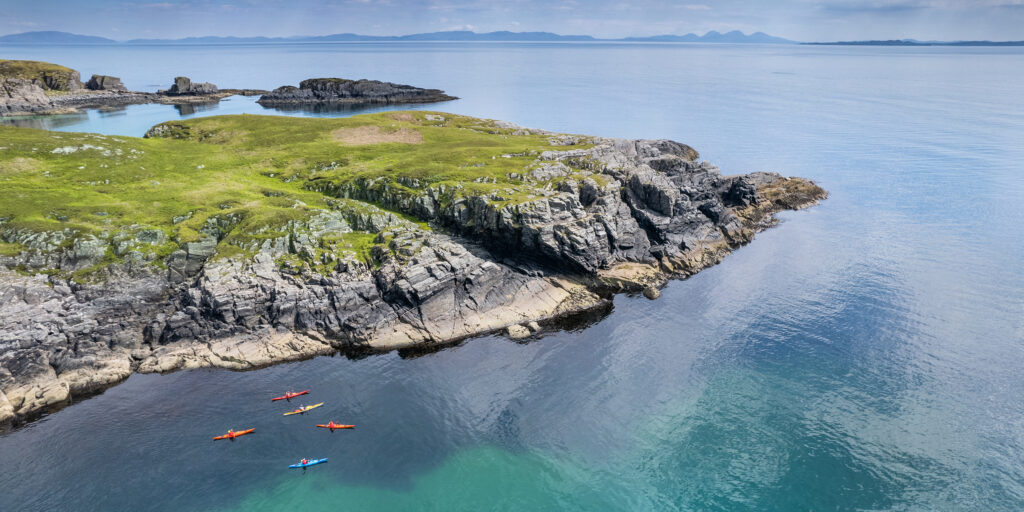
x=41, y=88
x=21, y=97
x=604, y=216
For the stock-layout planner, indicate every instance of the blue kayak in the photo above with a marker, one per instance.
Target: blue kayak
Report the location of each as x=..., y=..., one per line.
x=310, y=463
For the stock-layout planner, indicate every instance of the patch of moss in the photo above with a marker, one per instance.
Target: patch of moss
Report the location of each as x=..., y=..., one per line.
x=9, y=249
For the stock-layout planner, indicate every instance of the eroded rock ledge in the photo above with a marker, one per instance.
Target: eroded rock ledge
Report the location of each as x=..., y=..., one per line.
x=602, y=215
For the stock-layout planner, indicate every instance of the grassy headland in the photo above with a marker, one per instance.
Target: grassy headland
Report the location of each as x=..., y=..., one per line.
x=252, y=177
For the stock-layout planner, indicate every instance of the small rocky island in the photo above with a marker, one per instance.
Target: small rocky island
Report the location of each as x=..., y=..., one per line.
x=242, y=241
x=37, y=88
x=353, y=92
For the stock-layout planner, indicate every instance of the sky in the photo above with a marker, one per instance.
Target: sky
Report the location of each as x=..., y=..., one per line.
x=803, y=20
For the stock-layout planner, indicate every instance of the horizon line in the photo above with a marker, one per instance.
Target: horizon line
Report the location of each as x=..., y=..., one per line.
x=585, y=37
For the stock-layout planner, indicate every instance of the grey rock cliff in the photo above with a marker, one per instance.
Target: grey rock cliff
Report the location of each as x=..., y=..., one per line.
x=339, y=90
x=18, y=96
x=646, y=201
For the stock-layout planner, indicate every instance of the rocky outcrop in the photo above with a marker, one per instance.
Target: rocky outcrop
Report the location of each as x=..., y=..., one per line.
x=26, y=97
x=51, y=77
x=24, y=86
x=183, y=86
x=639, y=201
x=22, y=96
x=618, y=215
x=63, y=339
x=340, y=90
x=67, y=81
x=105, y=83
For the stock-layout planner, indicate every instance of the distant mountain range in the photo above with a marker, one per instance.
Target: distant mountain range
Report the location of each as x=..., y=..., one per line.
x=714, y=37
x=456, y=35
x=913, y=42
x=735, y=37
x=52, y=37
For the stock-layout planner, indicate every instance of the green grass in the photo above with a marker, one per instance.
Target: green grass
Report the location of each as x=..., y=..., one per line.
x=254, y=174
x=7, y=249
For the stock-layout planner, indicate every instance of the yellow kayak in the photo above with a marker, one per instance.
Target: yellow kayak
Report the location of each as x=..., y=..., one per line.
x=303, y=409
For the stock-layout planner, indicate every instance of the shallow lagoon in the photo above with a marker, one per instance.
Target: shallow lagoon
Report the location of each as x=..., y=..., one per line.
x=865, y=354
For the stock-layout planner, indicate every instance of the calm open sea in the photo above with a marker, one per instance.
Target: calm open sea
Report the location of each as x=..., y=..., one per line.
x=866, y=354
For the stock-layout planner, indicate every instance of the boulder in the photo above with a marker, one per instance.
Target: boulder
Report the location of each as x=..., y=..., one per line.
x=517, y=332
x=105, y=83
x=183, y=86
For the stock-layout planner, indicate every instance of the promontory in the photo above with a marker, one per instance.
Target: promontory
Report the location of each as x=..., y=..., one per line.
x=241, y=241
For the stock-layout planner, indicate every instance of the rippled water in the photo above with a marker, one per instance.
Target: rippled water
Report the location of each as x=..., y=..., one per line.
x=866, y=354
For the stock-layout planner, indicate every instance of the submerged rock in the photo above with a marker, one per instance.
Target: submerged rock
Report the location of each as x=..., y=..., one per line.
x=340, y=90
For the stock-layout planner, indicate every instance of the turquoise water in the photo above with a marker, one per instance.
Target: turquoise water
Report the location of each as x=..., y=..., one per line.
x=866, y=354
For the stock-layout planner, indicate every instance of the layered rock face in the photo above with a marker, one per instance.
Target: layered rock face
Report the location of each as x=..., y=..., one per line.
x=105, y=83
x=62, y=339
x=639, y=201
x=339, y=90
x=63, y=81
x=22, y=96
x=183, y=86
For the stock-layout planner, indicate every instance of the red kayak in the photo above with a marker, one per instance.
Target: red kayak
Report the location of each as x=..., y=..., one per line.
x=289, y=395
x=332, y=425
x=233, y=434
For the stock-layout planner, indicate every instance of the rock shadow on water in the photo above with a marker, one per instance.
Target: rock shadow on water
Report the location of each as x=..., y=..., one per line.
x=331, y=109
x=188, y=109
x=47, y=122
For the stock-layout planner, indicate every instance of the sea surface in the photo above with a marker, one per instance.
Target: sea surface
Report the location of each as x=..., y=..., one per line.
x=866, y=354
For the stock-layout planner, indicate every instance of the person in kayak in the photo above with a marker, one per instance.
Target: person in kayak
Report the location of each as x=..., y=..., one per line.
x=304, y=461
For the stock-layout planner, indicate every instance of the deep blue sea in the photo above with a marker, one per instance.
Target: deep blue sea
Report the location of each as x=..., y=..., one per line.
x=866, y=354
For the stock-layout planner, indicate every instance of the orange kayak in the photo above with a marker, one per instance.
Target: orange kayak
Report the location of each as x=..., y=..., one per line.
x=289, y=395
x=332, y=425
x=233, y=434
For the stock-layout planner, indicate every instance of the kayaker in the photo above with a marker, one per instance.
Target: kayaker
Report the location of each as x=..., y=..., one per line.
x=304, y=461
